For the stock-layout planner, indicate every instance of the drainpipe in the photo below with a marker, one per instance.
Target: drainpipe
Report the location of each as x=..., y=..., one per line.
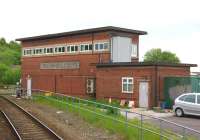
x=155, y=85
x=55, y=83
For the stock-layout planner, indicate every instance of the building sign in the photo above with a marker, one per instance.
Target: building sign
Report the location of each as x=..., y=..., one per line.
x=60, y=65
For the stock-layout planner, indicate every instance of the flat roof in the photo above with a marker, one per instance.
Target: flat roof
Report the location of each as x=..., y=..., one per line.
x=139, y=64
x=85, y=31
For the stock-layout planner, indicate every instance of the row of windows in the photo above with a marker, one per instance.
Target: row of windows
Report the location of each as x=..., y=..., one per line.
x=68, y=49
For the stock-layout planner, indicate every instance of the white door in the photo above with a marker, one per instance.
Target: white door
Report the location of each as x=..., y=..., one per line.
x=143, y=94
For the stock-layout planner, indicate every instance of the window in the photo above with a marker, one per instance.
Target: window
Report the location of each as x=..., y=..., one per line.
x=101, y=46
x=72, y=48
x=198, y=99
x=38, y=51
x=134, y=50
x=59, y=49
x=127, y=84
x=86, y=47
x=27, y=52
x=182, y=98
x=190, y=98
x=49, y=50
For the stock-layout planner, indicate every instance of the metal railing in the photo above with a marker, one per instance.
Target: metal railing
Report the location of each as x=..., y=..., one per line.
x=145, y=125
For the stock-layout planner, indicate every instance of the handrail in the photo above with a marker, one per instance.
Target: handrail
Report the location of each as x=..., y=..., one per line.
x=127, y=111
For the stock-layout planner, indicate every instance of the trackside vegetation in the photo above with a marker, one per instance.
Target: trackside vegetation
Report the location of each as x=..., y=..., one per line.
x=10, y=55
x=106, y=117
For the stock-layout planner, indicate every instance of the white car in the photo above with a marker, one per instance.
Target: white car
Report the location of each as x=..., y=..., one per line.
x=188, y=103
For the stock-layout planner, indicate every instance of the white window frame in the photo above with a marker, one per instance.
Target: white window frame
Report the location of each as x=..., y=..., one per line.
x=49, y=48
x=88, y=47
x=38, y=53
x=71, y=49
x=99, y=46
x=58, y=47
x=127, y=82
x=25, y=52
x=134, y=50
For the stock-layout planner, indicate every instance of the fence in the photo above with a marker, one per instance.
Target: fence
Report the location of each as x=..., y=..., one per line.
x=132, y=124
x=175, y=86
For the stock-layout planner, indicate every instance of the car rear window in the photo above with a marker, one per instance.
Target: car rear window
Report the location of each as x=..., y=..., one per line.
x=190, y=98
x=198, y=99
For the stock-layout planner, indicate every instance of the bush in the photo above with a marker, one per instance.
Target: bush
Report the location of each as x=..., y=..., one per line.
x=3, y=69
x=11, y=76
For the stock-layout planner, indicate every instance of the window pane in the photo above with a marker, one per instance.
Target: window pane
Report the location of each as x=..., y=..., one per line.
x=134, y=50
x=190, y=98
x=68, y=48
x=130, y=81
x=59, y=49
x=63, y=49
x=90, y=47
x=96, y=46
x=82, y=48
x=124, y=80
x=198, y=99
x=182, y=98
x=51, y=50
x=105, y=46
x=45, y=50
x=86, y=47
x=101, y=46
x=56, y=49
x=125, y=87
x=72, y=49
x=76, y=48
x=130, y=87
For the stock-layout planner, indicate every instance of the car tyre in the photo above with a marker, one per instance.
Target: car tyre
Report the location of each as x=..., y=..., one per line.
x=179, y=112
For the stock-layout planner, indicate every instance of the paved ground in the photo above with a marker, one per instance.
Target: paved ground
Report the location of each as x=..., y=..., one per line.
x=189, y=121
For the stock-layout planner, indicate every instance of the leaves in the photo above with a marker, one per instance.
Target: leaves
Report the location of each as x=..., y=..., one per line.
x=10, y=55
x=159, y=56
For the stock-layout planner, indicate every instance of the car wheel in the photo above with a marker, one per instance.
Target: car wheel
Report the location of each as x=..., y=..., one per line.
x=179, y=112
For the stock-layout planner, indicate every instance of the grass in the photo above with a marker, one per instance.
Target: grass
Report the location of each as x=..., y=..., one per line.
x=104, y=117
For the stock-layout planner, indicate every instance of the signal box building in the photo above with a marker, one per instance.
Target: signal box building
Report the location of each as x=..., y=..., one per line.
x=99, y=62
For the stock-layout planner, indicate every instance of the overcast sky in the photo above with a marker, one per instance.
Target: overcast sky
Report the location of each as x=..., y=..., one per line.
x=172, y=25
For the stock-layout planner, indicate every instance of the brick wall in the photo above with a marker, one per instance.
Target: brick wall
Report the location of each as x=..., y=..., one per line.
x=59, y=80
x=109, y=83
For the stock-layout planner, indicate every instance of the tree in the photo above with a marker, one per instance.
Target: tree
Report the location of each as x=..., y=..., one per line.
x=10, y=55
x=158, y=56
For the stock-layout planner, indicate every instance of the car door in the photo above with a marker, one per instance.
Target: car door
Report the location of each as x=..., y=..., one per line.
x=190, y=104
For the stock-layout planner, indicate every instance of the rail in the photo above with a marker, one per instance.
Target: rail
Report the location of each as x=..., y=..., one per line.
x=50, y=131
x=11, y=125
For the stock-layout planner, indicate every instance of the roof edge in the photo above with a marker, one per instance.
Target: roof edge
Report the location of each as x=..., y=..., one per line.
x=138, y=64
x=84, y=31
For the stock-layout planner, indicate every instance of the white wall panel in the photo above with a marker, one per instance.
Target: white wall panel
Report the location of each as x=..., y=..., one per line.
x=121, y=49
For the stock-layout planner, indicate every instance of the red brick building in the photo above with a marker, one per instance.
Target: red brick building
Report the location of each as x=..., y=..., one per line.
x=99, y=62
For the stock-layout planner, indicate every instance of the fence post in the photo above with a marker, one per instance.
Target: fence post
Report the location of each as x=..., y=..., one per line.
x=160, y=129
x=183, y=138
x=126, y=113
x=66, y=102
x=79, y=106
x=141, y=127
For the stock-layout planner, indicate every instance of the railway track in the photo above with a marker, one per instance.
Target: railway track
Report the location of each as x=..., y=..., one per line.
x=6, y=131
x=25, y=125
